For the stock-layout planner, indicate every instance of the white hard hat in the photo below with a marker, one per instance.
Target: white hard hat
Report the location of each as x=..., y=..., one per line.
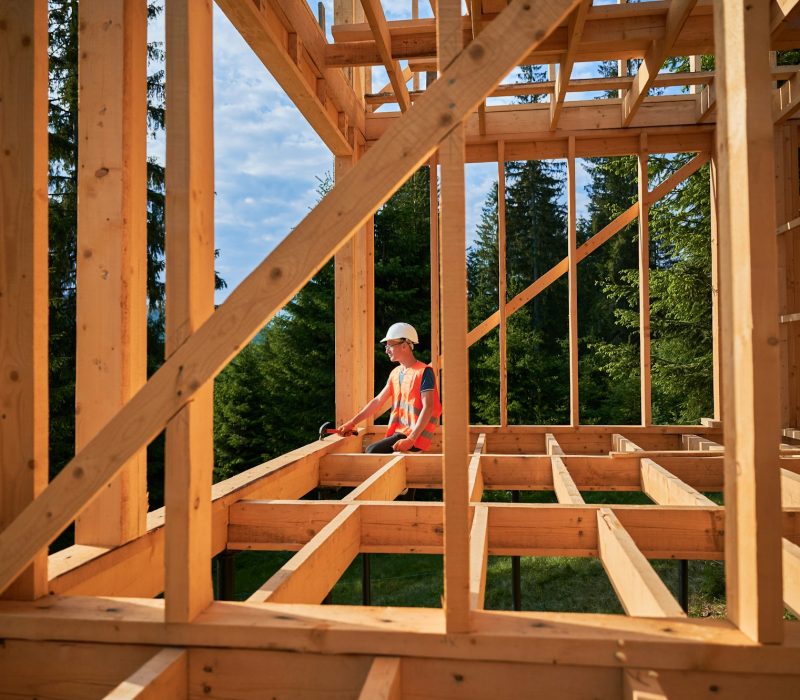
x=401, y=331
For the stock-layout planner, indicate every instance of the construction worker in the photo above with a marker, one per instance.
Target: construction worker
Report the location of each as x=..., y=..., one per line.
x=414, y=398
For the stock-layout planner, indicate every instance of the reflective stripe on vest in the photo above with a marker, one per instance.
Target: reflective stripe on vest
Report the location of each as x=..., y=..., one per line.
x=407, y=405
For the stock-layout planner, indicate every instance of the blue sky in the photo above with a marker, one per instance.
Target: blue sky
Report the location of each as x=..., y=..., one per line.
x=268, y=160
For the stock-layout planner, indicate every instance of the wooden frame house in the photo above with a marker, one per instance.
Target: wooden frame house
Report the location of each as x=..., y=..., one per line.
x=90, y=621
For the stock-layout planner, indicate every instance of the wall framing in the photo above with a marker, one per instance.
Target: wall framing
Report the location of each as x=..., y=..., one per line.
x=102, y=602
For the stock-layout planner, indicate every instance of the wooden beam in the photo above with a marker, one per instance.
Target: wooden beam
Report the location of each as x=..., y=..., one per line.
x=716, y=319
x=433, y=213
x=455, y=378
x=638, y=587
x=23, y=273
x=166, y=675
x=699, y=442
x=783, y=14
x=189, y=451
x=749, y=319
x=111, y=311
x=588, y=247
x=564, y=486
x=786, y=100
x=261, y=27
x=380, y=30
x=572, y=279
x=644, y=282
x=575, y=32
x=791, y=575
x=478, y=557
x=659, y=51
x=551, y=445
x=278, y=278
x=706, y=103
x=665, y=488
x=384, y=680
x=502, y=289
x=386, y=484
x=311, y=573
x=622, y=444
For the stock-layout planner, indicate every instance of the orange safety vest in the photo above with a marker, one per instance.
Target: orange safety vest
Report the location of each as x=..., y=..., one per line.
x=407, y=404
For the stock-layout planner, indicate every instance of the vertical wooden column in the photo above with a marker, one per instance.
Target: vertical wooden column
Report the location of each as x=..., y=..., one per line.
x=572, y=243
x=455, y=380
x=501, y=281
x=415, y=15
x=749, y=307
x=190, y=300
x=23, y=271
x=111, y=352
x=622, y=65
x=716, y=323
x=644, y=282
x=433, y=186
x=354, y=314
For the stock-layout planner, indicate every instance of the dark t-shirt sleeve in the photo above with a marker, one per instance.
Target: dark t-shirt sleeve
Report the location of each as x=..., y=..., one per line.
x=428, y=380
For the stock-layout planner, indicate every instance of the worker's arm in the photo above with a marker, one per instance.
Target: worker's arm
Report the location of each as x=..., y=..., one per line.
x=372, y=408
x=419, y=426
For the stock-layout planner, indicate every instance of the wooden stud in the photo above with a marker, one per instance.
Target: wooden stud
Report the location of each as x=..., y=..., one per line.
x=278, y=278
x=433, y=204
x=749, y=319
x=478, y=557
x=501, y=281
x=572, y=278
x=677, y=14
x=23, y=273
x=665, y=488
x=165, y=676
x=111, y=337
x=555, y=272
x=644, y=283
x=716, y=324
x=190, y=302
x=384, y=680
x=622, y=68
x=309, y=575
x=638, y=586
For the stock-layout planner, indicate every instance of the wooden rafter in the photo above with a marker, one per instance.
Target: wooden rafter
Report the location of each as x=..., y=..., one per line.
x=469, y=78
x=677, y=14
x=574, y=34
x=377, y=22
x=638, y=586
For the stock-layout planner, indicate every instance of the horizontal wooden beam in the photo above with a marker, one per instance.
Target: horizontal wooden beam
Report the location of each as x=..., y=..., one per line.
x=164, y=676
x=514, y=529
x=310, y=575
x=525, y=637
x=278, y=278
x=638, y=586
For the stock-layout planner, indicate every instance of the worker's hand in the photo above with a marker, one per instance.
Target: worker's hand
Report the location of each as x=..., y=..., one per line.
x=346, y=428
x=403, y=445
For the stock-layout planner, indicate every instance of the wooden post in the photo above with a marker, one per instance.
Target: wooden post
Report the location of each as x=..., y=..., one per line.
x=501, y=282
x=644, y=282
x=748, y=253
x=716, y=325
x=572, y=243
x=455, y=381
x=23, y=271
x=622, y=64
x=435, y=267
x=111, y=352
x=190, y=300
